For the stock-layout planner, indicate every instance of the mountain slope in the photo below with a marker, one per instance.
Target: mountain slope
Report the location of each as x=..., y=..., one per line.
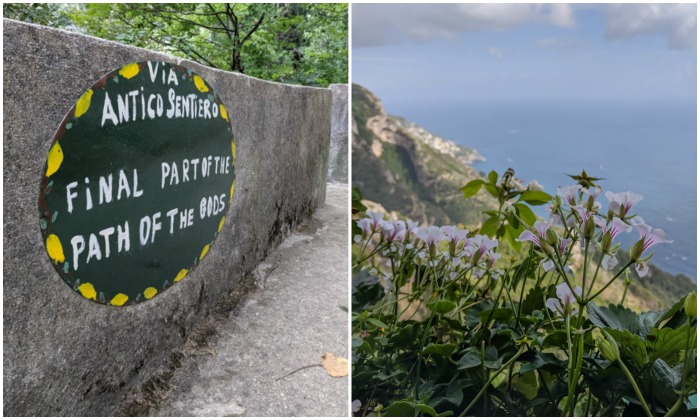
x=409, y=170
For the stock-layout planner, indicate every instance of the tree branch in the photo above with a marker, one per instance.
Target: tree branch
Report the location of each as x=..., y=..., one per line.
x=223, y=25
x=245, y=38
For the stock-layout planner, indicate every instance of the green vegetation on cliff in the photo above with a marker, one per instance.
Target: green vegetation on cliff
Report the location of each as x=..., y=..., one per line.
x=408, y=170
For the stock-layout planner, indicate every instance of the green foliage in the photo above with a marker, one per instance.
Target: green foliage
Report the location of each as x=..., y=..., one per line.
x=455, y=333
x=286, y=42
x=48, y=14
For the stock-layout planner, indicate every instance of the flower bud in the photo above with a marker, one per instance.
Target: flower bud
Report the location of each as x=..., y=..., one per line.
x=589, y=229
x=590, y=203
x=546, y=248
x=452, y=247
x=552, y=237
x=432, y=250
x=637, y=250
x=606, y=242
x=622, y=213
x=608, y=346
x=691, y=305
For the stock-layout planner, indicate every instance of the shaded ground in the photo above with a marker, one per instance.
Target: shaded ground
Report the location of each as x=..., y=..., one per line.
x=294, y=312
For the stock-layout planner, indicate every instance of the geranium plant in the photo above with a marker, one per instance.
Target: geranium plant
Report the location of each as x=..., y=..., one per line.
x=506, y=319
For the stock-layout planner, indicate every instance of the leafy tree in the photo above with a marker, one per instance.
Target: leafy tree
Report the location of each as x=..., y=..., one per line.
x=291, y=43
x=49, y=14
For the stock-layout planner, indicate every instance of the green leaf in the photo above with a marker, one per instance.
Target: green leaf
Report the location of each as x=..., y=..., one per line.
x=533, y=301
x=454, y=394
x=513, y=221
x=667, y=343
x=556, y=339
x=472, y=358
x=527, y=384
x=526, y=214
x=427, y=409
x=493, y=177
x=665, y=380
x=366, y=290
x=535, y=198
x=490, y=227
x=511, y=234
x=400, y=409
x=534, y=359
x=620, y=318
x=440, y=349
x=377, y=323
x=405, y=336
x=357, y=205
x=499, y=315
x=442, y=307
x=630, y=345
x=493, y=190
x=670, y=314
x=472, y=188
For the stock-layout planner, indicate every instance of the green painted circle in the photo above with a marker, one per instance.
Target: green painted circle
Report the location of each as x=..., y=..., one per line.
x=137, y=182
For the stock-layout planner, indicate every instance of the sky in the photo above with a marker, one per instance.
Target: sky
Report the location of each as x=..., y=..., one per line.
x=427, y=53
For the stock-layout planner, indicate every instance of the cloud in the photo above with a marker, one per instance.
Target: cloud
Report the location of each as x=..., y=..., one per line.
x=495, y=52
x=384, y=24
x=675, y=22
x=562, y=45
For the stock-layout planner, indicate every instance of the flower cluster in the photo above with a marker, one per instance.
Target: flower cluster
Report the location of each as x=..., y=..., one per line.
x=576, y=210
x=446, y=246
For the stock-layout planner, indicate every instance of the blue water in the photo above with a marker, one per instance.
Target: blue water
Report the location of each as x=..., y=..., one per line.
x=649, y=149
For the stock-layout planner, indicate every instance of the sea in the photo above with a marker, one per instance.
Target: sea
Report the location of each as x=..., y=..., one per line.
x=646, y=148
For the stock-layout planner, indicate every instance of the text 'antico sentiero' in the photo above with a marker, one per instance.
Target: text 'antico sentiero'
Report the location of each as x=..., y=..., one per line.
x=138, y=104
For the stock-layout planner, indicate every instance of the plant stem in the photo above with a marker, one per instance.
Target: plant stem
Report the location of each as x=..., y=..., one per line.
x=420, y=355
x=486, y=385
x=577, y=369
x=681, y=396
x=484, y=372
x=522, y=289
x=570, y=394
x=590, y=298
x=585, y=268
x=595, y=275
x=588, y=404
x=624, y=293
x=635, y=387
x=425, y=336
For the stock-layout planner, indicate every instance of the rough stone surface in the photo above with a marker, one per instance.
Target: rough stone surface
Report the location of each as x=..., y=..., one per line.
x=338, y=155
x=64, y=355
x=282, y=326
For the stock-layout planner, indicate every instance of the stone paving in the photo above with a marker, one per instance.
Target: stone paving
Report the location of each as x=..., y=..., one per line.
x=297, y=312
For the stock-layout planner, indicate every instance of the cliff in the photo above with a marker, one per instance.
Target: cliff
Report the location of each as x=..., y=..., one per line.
x=409, y=170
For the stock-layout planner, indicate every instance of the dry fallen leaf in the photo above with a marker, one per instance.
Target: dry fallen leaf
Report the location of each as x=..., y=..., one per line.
x=334, y=366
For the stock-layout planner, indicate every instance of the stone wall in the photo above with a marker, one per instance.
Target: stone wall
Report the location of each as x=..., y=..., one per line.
x=338, y=155
x=64, y=355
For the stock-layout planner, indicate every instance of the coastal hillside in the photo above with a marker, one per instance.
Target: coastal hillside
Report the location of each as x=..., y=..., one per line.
x=409, y=170
x=405, y=170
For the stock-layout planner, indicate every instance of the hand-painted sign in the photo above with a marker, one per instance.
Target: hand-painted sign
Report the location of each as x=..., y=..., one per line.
x=137, y=182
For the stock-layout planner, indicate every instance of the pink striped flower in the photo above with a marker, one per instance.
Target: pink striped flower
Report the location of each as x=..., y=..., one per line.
x=621, y=203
